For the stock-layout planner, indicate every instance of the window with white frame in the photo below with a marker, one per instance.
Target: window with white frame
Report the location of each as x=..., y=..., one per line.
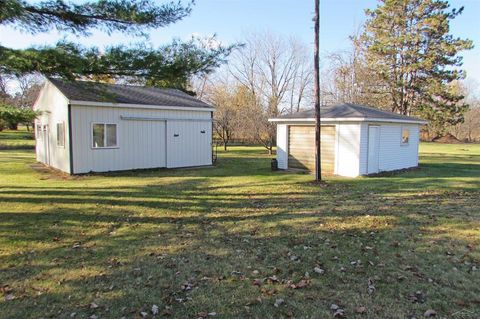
x=104, y=135
x=61, y=134
x=405, y=136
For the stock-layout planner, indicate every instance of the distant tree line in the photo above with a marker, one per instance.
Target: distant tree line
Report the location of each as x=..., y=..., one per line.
x=267, y=76
x=403, y=59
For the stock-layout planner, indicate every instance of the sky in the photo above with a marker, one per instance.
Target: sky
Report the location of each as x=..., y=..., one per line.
x=232, y=19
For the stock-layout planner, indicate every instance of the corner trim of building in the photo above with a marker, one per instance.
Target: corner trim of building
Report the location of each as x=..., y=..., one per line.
x=70, y=139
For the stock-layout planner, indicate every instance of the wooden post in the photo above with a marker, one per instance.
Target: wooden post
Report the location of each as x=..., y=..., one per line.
x=318, y=165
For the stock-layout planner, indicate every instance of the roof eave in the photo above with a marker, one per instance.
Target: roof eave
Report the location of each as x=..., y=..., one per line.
x=350, y=119
x=144, y=106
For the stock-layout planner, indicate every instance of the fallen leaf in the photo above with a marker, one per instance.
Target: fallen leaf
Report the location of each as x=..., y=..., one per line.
x=334, y=307
x=278, y=302
x=257, y=282
x=301, y=284
x=360, y=310
x=340, y=313
x=319, y=270
x=418, y=296
x=430, y=313
x=371, y=287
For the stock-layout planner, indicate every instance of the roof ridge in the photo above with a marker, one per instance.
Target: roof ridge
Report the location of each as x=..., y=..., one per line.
x=93, y=91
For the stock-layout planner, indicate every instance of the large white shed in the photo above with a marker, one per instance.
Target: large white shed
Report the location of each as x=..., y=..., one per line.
x=355, y=140
x=95, y=127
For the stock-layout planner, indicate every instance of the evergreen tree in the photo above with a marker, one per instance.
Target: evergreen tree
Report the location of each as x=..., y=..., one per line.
x=170, y=65
x=409, y=45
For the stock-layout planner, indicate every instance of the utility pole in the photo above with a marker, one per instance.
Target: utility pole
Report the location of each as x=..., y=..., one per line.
x=318, y=165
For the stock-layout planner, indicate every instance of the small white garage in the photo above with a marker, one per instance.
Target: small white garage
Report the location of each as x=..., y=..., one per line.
x=95, y=127
x=355, y=140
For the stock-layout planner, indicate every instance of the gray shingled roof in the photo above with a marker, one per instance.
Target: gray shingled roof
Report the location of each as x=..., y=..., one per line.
x=349, y=111
x=126, y=94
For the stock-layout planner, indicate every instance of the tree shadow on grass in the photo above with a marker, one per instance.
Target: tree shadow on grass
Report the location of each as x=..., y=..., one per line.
x=191, y=264
x=189, y=242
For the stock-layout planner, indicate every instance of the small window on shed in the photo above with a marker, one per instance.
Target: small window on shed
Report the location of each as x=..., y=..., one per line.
x=61, y=134
x=104, y=135
x=405, y=135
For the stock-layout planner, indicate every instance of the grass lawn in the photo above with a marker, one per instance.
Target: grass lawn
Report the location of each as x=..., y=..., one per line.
x=14, y=140
x=234, y=240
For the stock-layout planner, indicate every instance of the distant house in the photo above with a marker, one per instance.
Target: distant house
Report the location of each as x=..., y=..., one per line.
x=92, y=127
x=355, y=140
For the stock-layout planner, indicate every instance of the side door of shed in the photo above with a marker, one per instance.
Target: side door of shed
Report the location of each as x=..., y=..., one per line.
x=301, y=148
x=189, y=143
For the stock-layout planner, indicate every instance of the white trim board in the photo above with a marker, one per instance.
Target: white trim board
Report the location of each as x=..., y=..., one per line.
x=140, y=118
x=343, y=119
x=140, y=106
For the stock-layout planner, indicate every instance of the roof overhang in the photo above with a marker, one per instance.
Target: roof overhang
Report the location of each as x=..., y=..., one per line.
x=345, y=119
x=140, y=106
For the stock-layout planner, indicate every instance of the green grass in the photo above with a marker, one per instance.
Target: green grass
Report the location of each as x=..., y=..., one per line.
x=15, y=140
x=194, y=241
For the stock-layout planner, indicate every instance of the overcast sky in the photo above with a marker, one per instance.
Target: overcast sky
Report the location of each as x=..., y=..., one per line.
x=229, y=19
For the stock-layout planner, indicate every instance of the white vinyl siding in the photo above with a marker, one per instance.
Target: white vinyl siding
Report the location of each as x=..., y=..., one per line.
x=282, y=146
x=141, y=138
x=394, y=155
x=53, y=106
x=363, y=148
x=352, y=146
x=188, y=143
x=348, y=149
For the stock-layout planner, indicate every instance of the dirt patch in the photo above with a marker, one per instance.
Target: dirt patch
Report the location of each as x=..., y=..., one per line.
x=50, y=172
x=448, y=139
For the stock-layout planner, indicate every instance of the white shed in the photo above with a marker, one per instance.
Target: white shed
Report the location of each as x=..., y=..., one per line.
x=355, y=140
x=93, y=127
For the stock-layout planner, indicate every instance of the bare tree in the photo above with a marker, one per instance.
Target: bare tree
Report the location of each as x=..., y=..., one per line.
x=28, y=88
x=301, y=87
x=272, y=68
x=348, y=79
x=4, y=96
x=225, y=116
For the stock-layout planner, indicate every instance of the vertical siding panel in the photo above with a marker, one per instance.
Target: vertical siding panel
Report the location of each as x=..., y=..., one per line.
x=54, y=107
x=348, y=149
x=282, y=146
x=393, y=155
x=363, y=148
x=141, y=143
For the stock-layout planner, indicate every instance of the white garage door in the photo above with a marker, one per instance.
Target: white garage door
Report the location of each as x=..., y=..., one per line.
x=189, y=143
x=145, y=141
